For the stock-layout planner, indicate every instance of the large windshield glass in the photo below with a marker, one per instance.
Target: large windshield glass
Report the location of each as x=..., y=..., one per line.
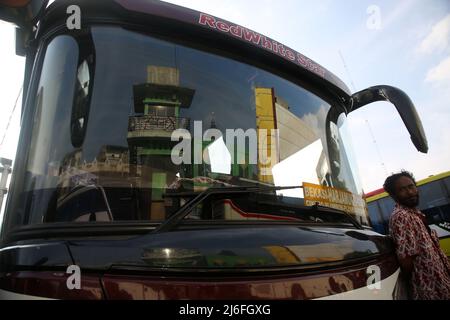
x=122, y=120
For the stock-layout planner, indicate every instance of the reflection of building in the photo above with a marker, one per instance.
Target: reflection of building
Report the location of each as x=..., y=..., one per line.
x=109, y=161
x=294, y=134
x=113, y=155
x=157, y=104
x=110, y=166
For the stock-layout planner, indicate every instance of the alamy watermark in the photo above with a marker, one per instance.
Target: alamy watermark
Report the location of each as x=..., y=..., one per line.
x=374, y=20
x=252, y=146
x=73, y=21
x=374, y=277
x=74, y=280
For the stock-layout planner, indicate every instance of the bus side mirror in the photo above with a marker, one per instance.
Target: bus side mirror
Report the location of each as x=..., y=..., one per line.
x=23, y=13
x=404, y=106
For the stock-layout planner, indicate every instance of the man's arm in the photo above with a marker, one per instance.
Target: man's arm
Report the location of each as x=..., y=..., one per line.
x=407, y=265
x=405, y=235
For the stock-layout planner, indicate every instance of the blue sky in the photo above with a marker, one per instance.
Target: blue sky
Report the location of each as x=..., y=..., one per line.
x=409, y=50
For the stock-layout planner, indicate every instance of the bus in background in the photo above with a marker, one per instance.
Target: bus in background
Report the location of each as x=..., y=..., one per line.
x=434, y=203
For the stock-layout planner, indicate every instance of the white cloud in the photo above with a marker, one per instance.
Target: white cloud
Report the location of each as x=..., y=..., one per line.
x=440, y=73
x=438, y=39
x=397, y=13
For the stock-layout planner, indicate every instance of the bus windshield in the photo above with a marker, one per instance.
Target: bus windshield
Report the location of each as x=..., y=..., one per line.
x=122, y=119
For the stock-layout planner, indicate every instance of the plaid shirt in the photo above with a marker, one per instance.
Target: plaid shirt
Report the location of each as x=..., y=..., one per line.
x=431, y=269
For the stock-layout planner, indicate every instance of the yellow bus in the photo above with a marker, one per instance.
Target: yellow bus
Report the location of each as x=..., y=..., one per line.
x=434, y=203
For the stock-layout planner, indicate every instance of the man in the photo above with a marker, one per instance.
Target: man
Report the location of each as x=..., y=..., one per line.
x=423, y=263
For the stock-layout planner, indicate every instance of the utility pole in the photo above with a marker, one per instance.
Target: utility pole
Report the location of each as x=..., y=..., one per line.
x=383, y=165
x=5, y=170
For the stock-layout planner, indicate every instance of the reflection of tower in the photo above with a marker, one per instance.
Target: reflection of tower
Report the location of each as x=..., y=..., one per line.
x=266, y=121
x=294, y=133
x=157, y=104
x=223, y=161
x=213, y=121
x=204, y=169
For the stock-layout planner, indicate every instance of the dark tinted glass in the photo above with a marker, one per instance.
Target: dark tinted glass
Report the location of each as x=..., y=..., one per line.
x=115, y=106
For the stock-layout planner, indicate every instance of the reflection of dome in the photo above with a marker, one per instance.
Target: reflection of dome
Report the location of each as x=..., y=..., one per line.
x=109, y=159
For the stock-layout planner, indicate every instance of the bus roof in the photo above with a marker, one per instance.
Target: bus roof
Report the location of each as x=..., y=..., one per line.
x=380, y=193
x=219, y=30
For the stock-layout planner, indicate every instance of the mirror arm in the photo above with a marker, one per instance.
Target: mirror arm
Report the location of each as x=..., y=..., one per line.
x=404, y=106
x=24, y=14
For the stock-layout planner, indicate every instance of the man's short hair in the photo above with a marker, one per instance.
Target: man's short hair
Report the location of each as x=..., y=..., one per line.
x=389, y=184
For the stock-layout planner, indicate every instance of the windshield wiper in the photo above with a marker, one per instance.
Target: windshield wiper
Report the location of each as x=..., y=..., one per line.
x=186, y=209
x=319, y=208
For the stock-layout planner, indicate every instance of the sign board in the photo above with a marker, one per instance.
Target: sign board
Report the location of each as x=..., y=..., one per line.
x=335, y=198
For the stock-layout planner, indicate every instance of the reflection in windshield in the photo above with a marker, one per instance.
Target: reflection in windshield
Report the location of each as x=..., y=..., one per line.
x=132, y=93
x=288, y=172
x=301, y=246
x=219, y=157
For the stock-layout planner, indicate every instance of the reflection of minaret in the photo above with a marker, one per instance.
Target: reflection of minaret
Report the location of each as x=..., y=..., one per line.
x=157, y=104
x=213, y=121
x=205, y=169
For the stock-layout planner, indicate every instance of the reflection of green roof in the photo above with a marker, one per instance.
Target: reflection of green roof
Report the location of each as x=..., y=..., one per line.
x=176, y=103
x=161, y=95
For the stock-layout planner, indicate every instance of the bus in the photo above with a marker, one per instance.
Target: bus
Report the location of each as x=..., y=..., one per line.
x=434, y=194
x=166, y=153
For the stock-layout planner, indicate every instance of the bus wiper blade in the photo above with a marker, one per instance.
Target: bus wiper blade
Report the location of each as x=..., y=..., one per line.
x=319, y=208
x=185, y=210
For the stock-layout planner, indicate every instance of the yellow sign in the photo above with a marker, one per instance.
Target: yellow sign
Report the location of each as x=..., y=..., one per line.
x=335, y=198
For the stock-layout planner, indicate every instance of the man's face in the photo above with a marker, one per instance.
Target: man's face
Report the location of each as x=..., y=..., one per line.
x=406, y=192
